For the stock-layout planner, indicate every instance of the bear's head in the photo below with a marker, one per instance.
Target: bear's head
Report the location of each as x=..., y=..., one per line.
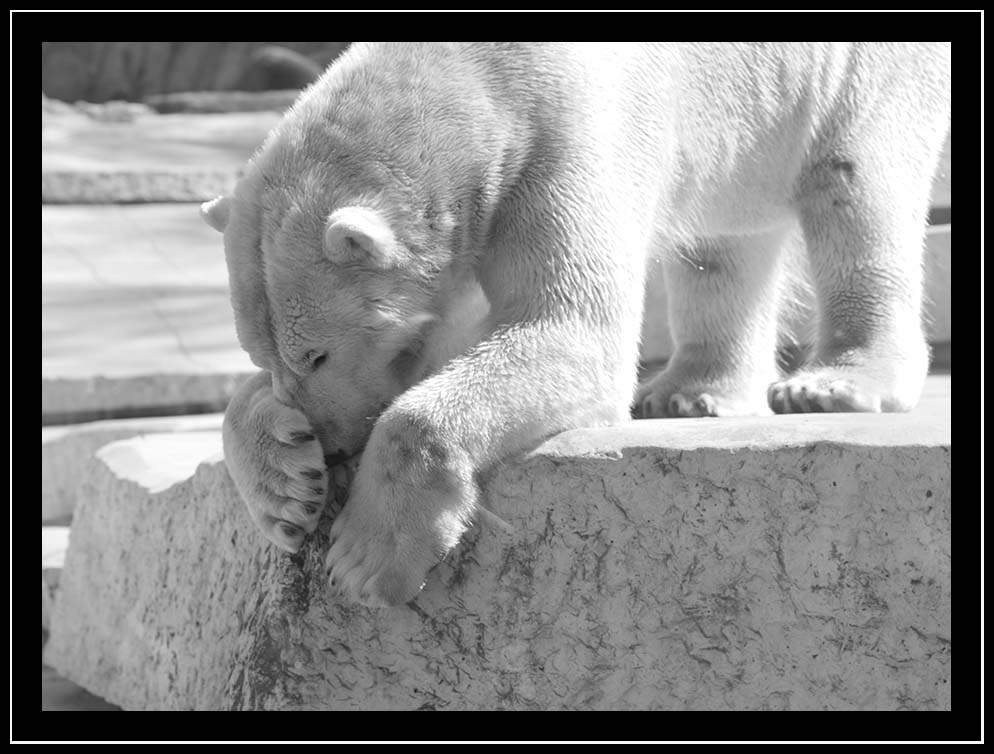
x=333, y=289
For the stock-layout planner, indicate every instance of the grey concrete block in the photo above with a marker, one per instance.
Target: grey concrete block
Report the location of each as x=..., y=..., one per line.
x=54, y=544
x=795, y=562
x=66, y=452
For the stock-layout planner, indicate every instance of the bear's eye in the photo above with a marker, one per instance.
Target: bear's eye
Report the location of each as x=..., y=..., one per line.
x=315, y=359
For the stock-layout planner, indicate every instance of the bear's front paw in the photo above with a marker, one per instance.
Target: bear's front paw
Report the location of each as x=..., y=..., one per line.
x=372, y=563
x=409, y=505
x=278, y=466
x=826, y=389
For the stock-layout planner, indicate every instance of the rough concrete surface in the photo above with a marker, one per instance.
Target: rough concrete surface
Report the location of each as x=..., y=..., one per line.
x=796, y=562
x=54, y=544
x=66, y=451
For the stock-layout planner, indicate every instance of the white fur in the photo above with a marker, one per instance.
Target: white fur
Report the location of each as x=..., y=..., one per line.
x=516, y=192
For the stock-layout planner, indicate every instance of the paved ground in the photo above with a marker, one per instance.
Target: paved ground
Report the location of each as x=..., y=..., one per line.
x=153, y=142
x=181, y=157
x=135, y=310
x=134, y=290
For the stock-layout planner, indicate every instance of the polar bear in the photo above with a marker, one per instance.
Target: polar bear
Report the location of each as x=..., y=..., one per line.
x=439, y=255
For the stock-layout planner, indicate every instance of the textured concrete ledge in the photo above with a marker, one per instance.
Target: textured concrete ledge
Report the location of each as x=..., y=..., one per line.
x=785, y=563
x=66, y=452
x=54, y=544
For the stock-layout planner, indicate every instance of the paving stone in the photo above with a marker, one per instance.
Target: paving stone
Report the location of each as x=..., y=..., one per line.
x=136, y=312
x=183, y=157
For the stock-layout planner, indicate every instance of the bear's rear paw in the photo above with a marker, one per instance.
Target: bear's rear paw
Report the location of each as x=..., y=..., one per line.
x=680, y=405
x=836, y=389
x=278, y=467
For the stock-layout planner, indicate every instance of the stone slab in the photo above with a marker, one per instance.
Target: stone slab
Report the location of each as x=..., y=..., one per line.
x=795, y=562
x=66, y=451
x=54, y=544
x=136, y=311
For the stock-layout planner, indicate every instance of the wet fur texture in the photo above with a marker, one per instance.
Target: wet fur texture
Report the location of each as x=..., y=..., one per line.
x=440, y=253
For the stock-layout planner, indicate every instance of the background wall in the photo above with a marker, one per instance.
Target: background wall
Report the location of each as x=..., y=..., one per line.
x=101, y=71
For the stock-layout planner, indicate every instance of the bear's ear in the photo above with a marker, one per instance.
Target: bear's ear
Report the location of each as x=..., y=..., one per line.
x=215, y=212
x=360, y=234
